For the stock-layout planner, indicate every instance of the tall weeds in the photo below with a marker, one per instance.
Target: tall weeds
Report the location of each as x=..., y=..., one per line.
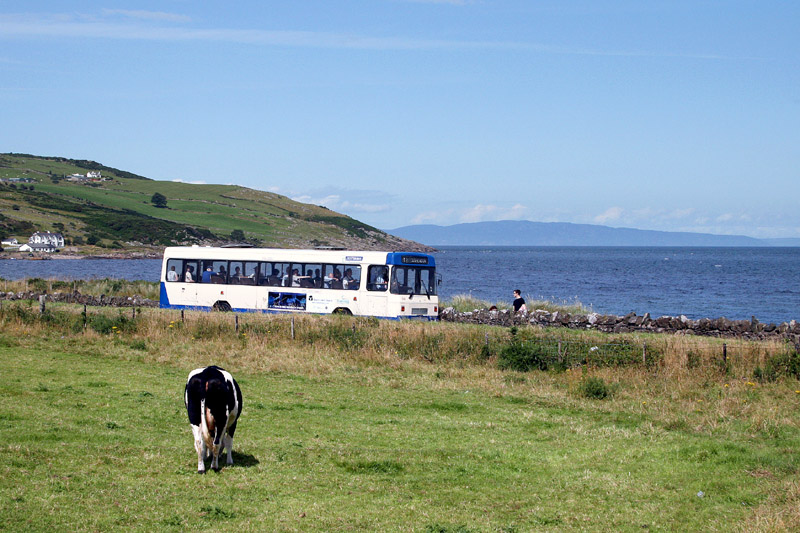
x=371, y=340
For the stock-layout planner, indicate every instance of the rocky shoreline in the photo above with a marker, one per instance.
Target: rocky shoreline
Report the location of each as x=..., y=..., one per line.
x=632, y=323
x=74, y=256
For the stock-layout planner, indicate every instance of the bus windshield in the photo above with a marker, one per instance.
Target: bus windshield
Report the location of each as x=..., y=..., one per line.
x=413, y=280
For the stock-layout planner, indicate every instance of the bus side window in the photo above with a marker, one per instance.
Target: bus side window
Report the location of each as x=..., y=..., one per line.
x=377, y=277
x=352, y=277
x=190, y=271
x=174, y=269
x=235, y=272
x=220, y=272
x=249, y=273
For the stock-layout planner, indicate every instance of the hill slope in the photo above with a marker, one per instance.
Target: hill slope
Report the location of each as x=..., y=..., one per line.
x=526, y=233
x=118, y=212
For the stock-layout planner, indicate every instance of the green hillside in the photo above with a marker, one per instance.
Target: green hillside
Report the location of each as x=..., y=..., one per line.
x=118, y=212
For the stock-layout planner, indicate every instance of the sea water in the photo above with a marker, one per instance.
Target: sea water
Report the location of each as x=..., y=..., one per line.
x=737, y=283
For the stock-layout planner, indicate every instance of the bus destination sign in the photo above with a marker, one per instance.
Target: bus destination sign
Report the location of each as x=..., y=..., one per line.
x=414, y=260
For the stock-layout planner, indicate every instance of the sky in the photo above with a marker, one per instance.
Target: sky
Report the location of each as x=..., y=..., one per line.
x=668, y=115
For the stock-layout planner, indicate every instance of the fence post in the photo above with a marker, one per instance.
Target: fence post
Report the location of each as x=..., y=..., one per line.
x=236, y=321
x=644, y=353
x=560, y=358
x=133, y=314
x=724, y=353
x=183, y=319
x=292, y=328
x=42, y=299
x=85, y=317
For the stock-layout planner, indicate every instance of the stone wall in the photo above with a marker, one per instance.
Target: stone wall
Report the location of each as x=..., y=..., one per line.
x=630, y=323
x=78, y=298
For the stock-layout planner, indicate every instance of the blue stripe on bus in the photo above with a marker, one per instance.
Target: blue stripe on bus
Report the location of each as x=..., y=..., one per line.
x=164, y=303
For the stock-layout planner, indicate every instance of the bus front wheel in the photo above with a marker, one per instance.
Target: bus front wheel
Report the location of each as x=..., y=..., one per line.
x=342, y=311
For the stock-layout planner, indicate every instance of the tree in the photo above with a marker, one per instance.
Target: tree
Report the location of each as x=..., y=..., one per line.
x=237, y=235
x=159, y=200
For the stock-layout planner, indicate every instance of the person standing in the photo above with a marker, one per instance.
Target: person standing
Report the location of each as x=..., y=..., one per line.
x=519, y=303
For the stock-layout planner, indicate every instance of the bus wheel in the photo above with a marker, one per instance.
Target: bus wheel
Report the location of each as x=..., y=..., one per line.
x=223, y=307
x=342, y=311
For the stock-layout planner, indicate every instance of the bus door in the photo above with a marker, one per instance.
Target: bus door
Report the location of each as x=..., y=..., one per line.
x=186, y=295
x=376, y=301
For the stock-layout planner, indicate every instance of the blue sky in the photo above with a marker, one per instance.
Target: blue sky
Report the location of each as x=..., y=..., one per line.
x=669, y=115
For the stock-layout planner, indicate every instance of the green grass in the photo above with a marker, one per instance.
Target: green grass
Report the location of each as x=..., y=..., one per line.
x=95, y=437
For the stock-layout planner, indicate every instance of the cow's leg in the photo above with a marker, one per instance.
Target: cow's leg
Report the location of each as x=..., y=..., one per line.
x=200, y=448
x=228, y=440
x=215, y=461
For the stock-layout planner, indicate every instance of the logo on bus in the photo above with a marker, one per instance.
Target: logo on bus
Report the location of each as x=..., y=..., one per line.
x=353, y=258
x=287, y=300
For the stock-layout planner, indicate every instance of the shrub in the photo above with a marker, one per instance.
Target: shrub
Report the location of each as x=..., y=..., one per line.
x=783, y=364
x=594, y=388
x=522, y=356
x=37, y=284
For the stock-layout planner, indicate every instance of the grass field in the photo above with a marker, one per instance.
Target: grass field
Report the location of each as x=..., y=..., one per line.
x=345, y=431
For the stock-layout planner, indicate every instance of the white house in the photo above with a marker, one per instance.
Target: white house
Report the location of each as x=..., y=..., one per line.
x=47, y=247
x=12, y=242
x=45, y=237
x=93, y=174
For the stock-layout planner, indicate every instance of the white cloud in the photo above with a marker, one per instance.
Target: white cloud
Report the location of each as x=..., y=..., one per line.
x=609, y=215
x=87, y=27
x=484, y=213
x=148, y=15
x=444, y=217
x=347, y=201
x=679, y=214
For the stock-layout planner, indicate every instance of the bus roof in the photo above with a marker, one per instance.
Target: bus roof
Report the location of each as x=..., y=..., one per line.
x=298, y=255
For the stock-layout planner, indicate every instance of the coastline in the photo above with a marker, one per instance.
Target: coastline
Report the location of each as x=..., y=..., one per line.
x=72, y=256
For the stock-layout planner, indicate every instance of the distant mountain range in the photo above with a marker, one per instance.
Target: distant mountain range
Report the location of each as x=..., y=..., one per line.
x=527, y=233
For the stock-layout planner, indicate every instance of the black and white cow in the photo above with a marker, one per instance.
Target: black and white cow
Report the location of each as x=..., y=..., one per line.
x=214, y=403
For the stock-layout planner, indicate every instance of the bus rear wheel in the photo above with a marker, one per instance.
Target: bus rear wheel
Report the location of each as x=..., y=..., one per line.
x=222, y=307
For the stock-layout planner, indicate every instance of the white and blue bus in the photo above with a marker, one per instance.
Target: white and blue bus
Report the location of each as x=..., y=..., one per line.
x=381, y=284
